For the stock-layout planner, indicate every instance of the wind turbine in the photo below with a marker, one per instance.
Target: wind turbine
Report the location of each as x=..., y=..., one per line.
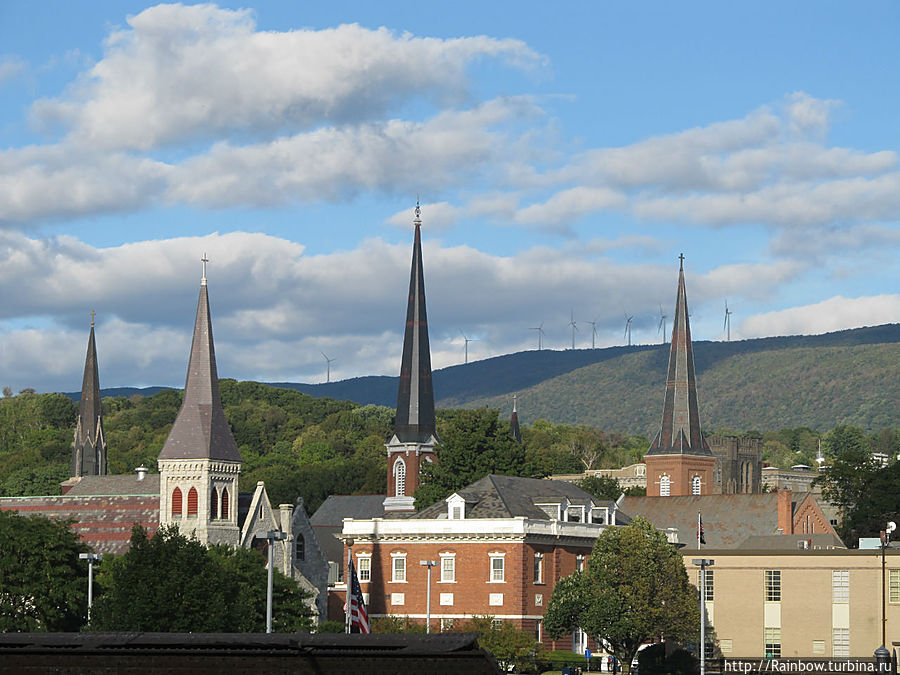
x=540, y=330
x=468, y=340
x=662, y=324
x=574, y=328
x=593, y=334
x=628, y=327
x=727, y=326
x=328, y=367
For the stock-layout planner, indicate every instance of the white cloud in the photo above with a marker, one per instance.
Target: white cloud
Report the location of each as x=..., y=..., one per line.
x=566, y=206
x=836, y=313
x=10, y=68
x=178, y=72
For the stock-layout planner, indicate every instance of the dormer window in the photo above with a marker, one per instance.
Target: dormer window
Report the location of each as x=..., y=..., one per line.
x=575, y=514
x=456, y=507
x=600, y=515
x=552, y=510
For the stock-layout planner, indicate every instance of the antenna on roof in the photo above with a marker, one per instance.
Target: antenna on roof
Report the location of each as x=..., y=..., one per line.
x=327, y=367
x=627, y=335
x=662, y=324
x=468, y=340
x=727, y=326
x=540, y=330
x=574, y=328
x=593, y=325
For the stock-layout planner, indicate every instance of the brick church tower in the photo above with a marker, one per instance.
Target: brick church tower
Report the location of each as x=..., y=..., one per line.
x=89, y=446
x=200, y=463
x=679, y=461
x=414, y=432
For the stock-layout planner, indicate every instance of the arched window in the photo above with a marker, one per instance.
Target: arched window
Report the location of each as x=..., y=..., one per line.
x=192, y=503
x=299, y=548
x=399, y=478
x=213, y=503
x=665, y=486
x=695, y=485
x=176, y=503
x=225, y=513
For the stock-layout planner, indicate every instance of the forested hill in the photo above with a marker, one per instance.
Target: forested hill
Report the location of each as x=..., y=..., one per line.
x=818, y=381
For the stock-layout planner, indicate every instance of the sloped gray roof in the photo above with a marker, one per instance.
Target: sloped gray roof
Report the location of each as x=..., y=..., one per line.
x=328, y=519
x=511, y=496
x=114, y=486
x=790, y=542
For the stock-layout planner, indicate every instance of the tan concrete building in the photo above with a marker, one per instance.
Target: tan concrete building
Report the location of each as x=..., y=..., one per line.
x=805, y=602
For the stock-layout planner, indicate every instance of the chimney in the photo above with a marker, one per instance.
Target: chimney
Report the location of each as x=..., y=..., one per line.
x=141, y=472
x=785, y=512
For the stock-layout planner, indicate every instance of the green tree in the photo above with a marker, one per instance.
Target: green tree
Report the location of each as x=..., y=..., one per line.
x=474, y=443
x=635, y=589
x=602, y=487
x=511, y=646
x=171, y=583
x=43, y=583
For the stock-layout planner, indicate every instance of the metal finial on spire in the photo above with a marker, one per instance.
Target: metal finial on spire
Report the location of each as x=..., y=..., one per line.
x=681, y=261
x=204, y=260
x=515, y=400
x=93, y=314
x=418, y=221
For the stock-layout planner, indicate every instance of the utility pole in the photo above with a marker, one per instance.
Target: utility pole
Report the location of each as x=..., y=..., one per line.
x=429, y=564
x=703, y=563
x=90, y=557
x=271, y=538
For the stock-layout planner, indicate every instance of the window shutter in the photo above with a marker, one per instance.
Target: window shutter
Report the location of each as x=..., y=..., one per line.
x=192, y=503
x=176, y=503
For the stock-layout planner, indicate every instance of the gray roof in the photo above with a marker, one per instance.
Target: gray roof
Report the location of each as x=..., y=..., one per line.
x=790, y=542
x=328, y=519
x=201, y=431
x=510, y=496
x=118, y=485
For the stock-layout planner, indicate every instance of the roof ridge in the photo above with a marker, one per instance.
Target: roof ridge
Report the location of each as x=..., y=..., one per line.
x=492, y=476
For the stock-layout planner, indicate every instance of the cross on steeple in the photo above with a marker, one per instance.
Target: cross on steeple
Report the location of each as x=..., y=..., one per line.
x=93, y=314
x=204, y=260
x=418, y=221
x=681, y=261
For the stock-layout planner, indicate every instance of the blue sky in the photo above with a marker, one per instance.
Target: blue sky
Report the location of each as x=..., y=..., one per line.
x=564, y=156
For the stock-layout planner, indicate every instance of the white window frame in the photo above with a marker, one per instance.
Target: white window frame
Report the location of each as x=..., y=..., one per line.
x=364, y=573
x=840, y=642
x=539, y=568
x=456, y=507
x=579, y=509
x=696, y=485
x=451, y=577
x=665, y=486
x=394, y=568
x=772, y=638
x=894, y=586
x=710, y=583
x=773, y=585
x=840, y=587
x=399, y=477
x=492, y=570
x=604, y=515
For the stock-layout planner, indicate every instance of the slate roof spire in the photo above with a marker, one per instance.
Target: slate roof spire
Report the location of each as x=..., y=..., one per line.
x=514, y=429
x=414, y=422
x=89, y=447
x=680, y=432
x=201, y=431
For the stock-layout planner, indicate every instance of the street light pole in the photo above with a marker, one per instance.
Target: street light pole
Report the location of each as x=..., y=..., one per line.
x=429, y=564
x=885, y=540
x=703, y=563
x=90, y=557
x=271, y=537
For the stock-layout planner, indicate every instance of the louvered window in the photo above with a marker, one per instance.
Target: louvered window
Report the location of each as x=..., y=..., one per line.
x=192, y=503
x=176, y=503
x=225, y=512
x=400, y=478
x=213, y=503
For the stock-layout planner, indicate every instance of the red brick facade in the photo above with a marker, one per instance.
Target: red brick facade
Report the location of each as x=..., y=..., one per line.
x=680, y=470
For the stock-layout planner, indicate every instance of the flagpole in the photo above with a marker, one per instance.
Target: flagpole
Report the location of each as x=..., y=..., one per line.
x=699, y=529
x=347, y=613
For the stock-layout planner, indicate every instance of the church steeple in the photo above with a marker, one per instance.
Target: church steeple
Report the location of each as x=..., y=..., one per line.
x=414, y=422
x=201, y=431
x=514, y=430
x=680, y=433
x=414, y=427
x=89, y=446
x=199, y=463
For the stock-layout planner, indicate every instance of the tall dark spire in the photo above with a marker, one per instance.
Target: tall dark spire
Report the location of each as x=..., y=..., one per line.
x=89, y=447
x=514, y=430
x=414, y=422
x=680, y=432
x=201, y=431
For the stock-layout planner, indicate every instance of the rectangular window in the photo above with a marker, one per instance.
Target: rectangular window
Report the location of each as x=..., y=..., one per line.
x=840, y=585
x=538, y=568
x=772, y=641
x=773, y=586
x=710, y=585
x=448, y=569
x=365, y=568
x=538, y=630
x=457, y=513
x=398, y=565
x=579, y=563
x=894, y=584
x=818, y=648
x=498, y=569
x=446, y=625
x=840, y=642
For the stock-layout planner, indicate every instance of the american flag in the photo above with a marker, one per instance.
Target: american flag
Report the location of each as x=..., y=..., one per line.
x=359, y=617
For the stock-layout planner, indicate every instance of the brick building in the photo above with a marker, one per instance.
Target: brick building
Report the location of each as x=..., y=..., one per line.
x=500, y=545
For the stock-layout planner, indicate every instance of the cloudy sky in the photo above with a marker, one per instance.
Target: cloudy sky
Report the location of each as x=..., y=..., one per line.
x=564, y=155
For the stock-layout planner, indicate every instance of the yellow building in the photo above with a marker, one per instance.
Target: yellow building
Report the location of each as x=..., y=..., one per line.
x=805, y=602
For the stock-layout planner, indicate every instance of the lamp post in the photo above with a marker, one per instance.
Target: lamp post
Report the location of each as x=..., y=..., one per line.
x=90, y=557
x=429, y=564
x=885, y=540
x=347, y=613
x=271, y=537
x=703, y=563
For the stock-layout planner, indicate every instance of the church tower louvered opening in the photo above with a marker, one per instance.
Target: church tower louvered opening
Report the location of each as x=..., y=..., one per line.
x=89, y=446
x=414, y=425
x=200, y=457
x=679, y=461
